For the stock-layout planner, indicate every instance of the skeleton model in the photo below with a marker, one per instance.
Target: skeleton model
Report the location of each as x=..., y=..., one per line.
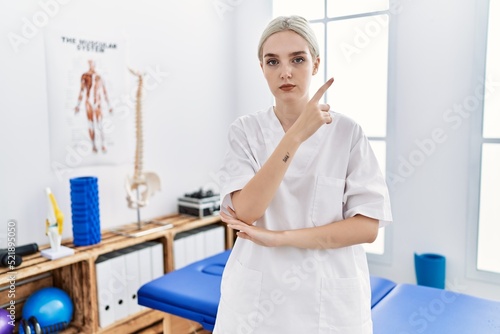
x=141, y=185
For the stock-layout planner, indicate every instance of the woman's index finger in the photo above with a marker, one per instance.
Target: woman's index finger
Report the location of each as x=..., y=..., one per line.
x=322, y=90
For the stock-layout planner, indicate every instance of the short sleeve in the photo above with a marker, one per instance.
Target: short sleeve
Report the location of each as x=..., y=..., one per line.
x=366, y=191
x=239, y=164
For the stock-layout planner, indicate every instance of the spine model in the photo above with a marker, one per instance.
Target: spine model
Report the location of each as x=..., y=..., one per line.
x=141, y=185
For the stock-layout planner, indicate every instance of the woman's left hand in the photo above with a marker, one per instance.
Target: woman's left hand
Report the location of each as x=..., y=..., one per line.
x=259, y=235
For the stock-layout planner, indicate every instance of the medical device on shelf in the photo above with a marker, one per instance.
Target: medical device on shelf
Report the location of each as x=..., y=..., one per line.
x=199, y=203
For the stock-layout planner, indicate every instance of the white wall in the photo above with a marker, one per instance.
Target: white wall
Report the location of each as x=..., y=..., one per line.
x=185, y=117
x=433, y=68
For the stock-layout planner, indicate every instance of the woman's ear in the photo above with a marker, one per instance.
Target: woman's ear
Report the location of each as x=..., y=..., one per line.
x=316, y=65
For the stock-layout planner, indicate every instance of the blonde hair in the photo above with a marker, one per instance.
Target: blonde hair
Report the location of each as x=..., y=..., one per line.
x=295, y=23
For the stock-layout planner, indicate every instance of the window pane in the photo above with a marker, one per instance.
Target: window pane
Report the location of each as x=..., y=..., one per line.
x=311, y=10
x=338, y=8
x=488, y=257
x=491, y=126
x=357, y=59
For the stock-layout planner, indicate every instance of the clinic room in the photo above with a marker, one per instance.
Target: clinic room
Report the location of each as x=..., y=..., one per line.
x=164, y=166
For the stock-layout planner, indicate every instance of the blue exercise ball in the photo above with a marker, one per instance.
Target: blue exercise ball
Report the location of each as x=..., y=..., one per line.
x=49, y=306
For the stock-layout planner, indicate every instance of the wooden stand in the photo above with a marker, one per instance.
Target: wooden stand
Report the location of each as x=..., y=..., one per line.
x=76, y=275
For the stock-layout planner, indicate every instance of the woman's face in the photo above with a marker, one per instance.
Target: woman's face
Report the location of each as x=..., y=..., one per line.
x=288, y=66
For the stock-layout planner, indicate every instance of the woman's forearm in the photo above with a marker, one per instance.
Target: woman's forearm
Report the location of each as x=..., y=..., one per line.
x=351, y=231
x=251, y=201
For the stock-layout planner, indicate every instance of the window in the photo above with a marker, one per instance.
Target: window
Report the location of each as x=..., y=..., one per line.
x=354, y=49
x=486, y=210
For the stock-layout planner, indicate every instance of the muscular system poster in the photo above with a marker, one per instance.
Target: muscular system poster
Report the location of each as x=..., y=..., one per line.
x=86, y=84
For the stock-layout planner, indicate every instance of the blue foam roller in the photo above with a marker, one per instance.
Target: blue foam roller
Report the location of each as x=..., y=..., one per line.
x=85, y=211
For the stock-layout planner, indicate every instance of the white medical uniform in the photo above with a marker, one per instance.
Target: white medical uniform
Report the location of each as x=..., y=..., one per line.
x=334, y=175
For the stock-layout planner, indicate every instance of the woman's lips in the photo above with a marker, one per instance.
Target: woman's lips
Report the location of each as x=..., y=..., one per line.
x=287, y=87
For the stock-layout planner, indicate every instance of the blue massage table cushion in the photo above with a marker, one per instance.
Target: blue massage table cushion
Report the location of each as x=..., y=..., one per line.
x=380, y=288
x=412, y=309
x=191, y=292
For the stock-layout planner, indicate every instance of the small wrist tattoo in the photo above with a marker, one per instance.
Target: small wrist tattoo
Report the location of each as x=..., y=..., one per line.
x=285, y=158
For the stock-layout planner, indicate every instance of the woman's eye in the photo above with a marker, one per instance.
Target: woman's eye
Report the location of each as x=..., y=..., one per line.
x=272, y=62
x=298, y=60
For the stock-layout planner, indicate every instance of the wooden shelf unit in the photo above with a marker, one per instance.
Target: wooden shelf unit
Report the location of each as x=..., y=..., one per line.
x=77, y=276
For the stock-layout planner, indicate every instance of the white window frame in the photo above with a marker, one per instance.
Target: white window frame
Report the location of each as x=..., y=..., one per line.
x=387, y=255
x=475, y=152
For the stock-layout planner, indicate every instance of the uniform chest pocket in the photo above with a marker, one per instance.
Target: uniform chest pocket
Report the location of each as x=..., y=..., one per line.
x=328, y=200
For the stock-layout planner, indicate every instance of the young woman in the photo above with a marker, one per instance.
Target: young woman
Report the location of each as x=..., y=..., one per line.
x=304, y=190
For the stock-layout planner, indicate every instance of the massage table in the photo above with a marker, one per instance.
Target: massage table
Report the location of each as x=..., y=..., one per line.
x=193, y=292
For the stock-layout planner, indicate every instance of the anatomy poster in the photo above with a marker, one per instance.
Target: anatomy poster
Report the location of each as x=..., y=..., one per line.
x=90, y=115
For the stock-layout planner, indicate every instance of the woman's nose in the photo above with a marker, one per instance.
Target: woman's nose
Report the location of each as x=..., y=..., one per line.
x=286, y=72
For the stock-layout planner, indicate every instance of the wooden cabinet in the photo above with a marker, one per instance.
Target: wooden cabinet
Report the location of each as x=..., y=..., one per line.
x=76, y=275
